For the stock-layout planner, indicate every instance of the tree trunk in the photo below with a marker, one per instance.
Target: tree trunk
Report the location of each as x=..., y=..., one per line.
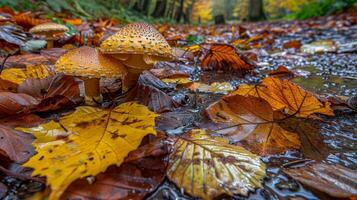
x=256, y=11
x=179, y=12
x=160, y=8
x=142, y=6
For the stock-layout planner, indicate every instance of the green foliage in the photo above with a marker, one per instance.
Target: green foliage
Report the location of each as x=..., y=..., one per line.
x=195, y=39
x=321, y=8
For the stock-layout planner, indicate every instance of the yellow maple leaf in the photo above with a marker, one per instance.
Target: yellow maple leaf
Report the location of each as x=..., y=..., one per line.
x=16, y=75
x=98, y=138
x=287, y=96
x=206, y=166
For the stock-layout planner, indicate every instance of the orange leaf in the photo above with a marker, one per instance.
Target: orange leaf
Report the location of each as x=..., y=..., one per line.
x=223, y=57
x=287, y=96
x=251, y=122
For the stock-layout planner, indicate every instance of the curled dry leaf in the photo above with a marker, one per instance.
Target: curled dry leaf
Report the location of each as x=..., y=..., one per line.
x=53, y=92
x=335, y=180
x=132, y=180
x=223, y=57
x=15, y=103
x=16, y=75
x=147, y=94
x=26, y=60
x=286, y=96
x=15, y=145
x=207, y=167
x=98, y=138
x=251, y=122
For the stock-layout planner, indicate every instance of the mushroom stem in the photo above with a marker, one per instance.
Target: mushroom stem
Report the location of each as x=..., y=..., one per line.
x=92, y=90
x=131, y=78
x=49, y=44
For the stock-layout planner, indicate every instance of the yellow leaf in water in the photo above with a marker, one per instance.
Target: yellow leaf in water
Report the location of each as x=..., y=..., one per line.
x=178, y=81
x=18, y=76
x=97, y=139
x=206, y=166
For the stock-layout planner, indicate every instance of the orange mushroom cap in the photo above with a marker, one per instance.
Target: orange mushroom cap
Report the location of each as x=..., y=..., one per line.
x=138, y=38
x=88, y=62
x=49, y=29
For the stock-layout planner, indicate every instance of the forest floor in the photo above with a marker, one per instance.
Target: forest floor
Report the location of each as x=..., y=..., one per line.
x=319, y=55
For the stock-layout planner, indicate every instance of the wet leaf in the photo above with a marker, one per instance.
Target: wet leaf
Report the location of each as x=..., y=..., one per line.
x=132, y=180
x=15, y=145
x=15, y=103
x=26, y=60
x=23, y=120
x=286, y=96
x=335, y=180
x=147, y=94
x=215, y=87
x=97, y=139
x=53, y=92
x=16, y=75
x=292, y=44
x=281, y=72
x=252, y=122
x=319, y=47
x=13, y=34
x=207, y=167
x=223, y=57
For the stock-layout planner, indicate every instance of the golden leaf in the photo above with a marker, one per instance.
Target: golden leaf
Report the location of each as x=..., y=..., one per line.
x=207, y=167
x=16, y=75
x=250, y=121
x=287, y=96
x=98, y=138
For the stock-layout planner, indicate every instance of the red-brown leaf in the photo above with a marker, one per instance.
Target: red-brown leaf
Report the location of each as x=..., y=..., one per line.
x=12, y=103
x=224, y=57
x=15, y=145
x=335, y=180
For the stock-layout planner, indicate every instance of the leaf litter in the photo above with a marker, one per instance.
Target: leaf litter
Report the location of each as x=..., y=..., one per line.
x=249, y=140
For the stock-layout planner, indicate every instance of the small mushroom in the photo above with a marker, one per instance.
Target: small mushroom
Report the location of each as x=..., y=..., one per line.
x=138, y=46
x=89, y=65
x=50, y=30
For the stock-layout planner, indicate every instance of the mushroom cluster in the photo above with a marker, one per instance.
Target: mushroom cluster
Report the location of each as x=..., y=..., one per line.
x=138, y=46
x=50, y=30
x=89, y=65
x=134, y=48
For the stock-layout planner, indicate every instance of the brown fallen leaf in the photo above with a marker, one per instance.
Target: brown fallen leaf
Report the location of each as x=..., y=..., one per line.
x=147, y=94
x=15, y=145
x=312, y=145
x=292, y=44
x=281, y=72
x=251, y=122
x=168, y=73
x=23, y=120
x=53, y=92
x=335, y=180
x=25, y=60
x=286, y=96
x=15, y=103
x=224, y=57
x=132, y=180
